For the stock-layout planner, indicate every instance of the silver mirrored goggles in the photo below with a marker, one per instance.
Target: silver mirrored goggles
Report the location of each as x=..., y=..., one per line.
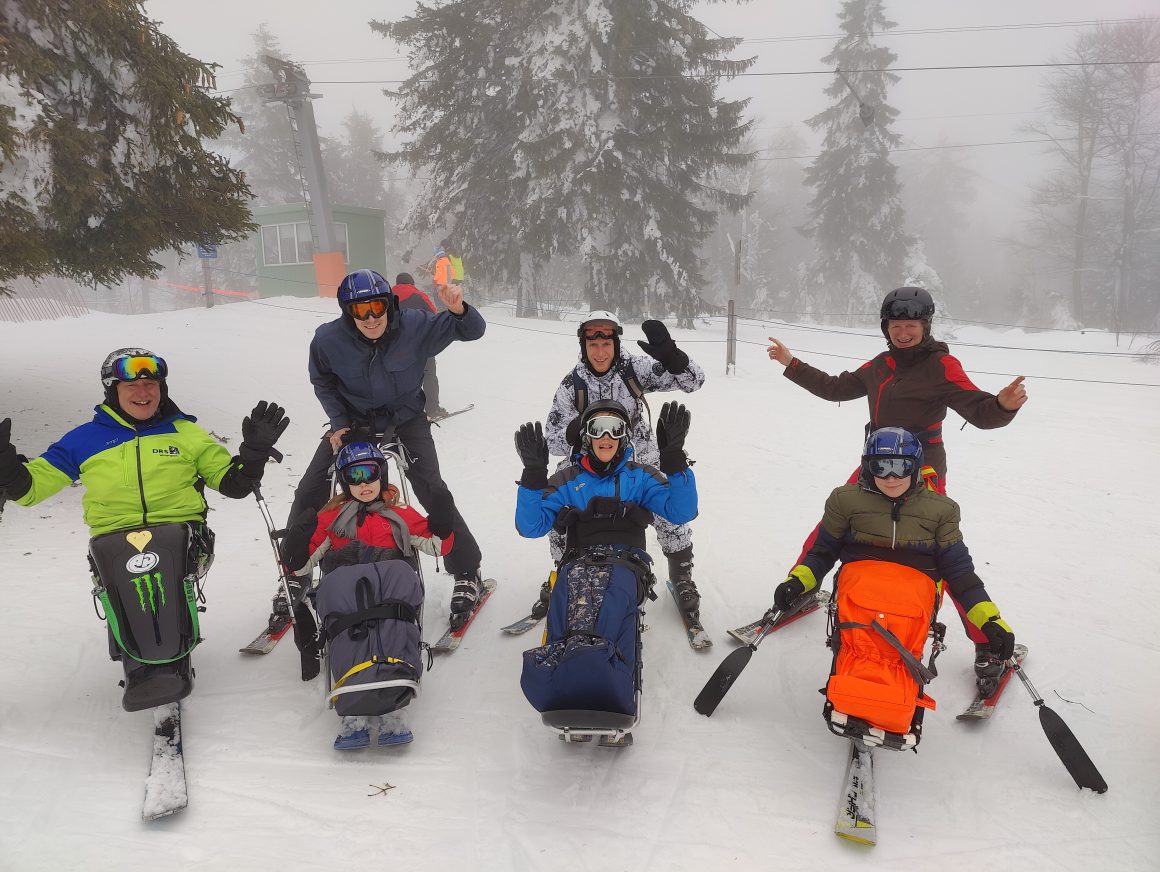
x=891, y=467
x=605, y=425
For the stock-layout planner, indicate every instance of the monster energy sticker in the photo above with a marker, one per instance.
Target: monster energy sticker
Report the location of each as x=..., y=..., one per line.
x=149, y=590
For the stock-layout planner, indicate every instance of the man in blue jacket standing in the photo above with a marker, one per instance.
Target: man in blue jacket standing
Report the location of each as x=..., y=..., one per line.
x=367, y=372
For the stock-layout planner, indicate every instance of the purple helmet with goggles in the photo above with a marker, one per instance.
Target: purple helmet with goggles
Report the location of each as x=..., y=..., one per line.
x=603, y=418
x=891, y=452
x=360, y=462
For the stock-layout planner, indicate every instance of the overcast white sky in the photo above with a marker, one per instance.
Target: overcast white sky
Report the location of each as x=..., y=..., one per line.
x=335, y=44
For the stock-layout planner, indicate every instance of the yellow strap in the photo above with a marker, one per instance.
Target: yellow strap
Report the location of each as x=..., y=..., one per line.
x=355, y=670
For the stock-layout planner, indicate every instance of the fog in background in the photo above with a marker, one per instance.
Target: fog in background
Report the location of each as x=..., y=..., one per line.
x=974, y=109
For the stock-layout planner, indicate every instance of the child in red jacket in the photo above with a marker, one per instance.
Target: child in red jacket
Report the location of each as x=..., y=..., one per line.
x=365, y=524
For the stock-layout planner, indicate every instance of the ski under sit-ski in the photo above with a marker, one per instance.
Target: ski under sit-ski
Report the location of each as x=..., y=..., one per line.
x=450, y=640
x=165, y=788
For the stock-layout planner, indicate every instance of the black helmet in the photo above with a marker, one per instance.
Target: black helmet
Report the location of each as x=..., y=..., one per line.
x=604, y=409
x=404, y=278
x=907, y=304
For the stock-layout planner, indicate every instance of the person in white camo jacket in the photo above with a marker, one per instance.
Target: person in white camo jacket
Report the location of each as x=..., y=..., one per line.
x=606, y=372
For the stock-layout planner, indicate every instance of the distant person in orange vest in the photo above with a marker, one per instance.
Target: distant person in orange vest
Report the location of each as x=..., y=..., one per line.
x=410, y=297
x=442, y=272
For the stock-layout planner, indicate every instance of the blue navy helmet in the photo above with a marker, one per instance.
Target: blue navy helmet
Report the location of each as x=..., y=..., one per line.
x=363, y=284
x=891, y=452
x=359, y=462
x=907, y=304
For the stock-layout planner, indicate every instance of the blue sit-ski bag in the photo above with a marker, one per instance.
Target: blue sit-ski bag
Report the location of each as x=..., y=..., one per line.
x=591, y=657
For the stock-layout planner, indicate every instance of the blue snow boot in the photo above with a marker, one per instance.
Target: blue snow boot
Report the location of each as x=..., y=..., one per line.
x=354, y=735
x=393, y=730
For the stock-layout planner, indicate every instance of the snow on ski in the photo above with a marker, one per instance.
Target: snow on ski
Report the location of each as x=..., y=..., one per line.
x=165, y=788
x=518, y=628
x=265, y=641
x=858, y=805
x=981, y=707
x=747, y=634
x=450, y=640
x=437, y=418
x=698, y=639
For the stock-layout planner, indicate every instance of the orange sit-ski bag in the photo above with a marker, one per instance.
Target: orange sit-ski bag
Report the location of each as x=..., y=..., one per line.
x=870, y=679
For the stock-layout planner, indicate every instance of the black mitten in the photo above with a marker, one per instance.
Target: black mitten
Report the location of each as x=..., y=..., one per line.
x=661, y=347
x=14, y=477
x=441, y=517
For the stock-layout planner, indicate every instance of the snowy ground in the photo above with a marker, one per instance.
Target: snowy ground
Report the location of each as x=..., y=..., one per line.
x=1058, y=510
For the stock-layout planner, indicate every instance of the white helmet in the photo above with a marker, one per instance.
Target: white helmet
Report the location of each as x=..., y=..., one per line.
x=600, y=315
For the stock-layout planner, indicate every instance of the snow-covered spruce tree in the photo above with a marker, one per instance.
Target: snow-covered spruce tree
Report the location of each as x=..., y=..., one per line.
x=459, y=114
x=101, y=159
x=589, y=127
x=622, y=148
x=857, y=220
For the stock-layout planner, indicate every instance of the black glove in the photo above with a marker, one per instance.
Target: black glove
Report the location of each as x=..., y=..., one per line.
x=441, y=514
x=306, y=640
x=1001, y=638
x=572, y=434
x=661, y=347
x=533, y=451
x=565, y=518
x=672, y=427
x=14, y=477
x=786, y=593
x=260, y=430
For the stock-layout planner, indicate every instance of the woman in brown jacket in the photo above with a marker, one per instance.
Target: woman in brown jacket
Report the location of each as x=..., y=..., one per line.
x=910, y=385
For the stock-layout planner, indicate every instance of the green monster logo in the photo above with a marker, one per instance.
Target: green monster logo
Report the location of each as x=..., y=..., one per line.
x=145, y=584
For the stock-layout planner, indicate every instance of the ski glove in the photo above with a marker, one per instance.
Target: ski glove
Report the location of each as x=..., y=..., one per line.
x=1002, y=640
x=441, y=514
x=786, y=593
x=260, y=430
x=661, y=347
x=533, y=451
x=672, y=427
x=14, y=476
x=572, y=433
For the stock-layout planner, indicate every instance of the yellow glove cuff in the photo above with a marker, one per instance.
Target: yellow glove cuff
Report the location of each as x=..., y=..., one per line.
x=805, y=575
x=982, y=612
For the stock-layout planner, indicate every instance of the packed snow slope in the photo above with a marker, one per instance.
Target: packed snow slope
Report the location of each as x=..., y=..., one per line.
x=1058, y=510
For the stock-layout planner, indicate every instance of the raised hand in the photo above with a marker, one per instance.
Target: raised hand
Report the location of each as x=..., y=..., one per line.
x=779, y=351
x=452, y=297
x=14, y=476
x=672, y=428
x=533, y=451
x=1013, y=396
x=661, y=347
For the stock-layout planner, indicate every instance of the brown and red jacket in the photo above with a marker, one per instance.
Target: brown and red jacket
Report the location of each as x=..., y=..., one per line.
x=910, y=388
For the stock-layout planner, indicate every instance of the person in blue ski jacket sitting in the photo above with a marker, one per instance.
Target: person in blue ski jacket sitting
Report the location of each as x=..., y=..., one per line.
x=605, y=498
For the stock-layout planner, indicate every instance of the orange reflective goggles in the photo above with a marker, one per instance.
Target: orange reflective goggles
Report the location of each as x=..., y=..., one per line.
x=364, y=309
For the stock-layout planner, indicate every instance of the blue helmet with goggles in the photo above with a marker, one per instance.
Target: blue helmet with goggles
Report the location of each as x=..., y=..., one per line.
x=891, y=452
x=366, y=294
x=360, y=463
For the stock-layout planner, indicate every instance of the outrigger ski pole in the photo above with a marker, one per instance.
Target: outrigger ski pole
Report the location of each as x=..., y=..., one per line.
x=268, y=518
x=720, y=681
x=1071, y=753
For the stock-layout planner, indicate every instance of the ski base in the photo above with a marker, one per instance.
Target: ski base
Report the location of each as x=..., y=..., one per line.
x=521, y=626
x=165, y=788
x=983, y=707
x=747, y=634
x=264, y=643
x=857, y=807
x=450, y=640
x=698, y=639
x=435, y=419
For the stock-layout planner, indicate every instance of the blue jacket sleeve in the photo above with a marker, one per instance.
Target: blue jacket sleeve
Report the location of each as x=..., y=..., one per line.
x=536, y=511
x=676, y=500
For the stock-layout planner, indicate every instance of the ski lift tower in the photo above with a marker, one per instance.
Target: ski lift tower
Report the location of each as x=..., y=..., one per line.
x=291, y=87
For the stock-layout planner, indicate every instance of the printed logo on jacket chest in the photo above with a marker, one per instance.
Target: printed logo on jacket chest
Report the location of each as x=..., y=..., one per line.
x=172, y=450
